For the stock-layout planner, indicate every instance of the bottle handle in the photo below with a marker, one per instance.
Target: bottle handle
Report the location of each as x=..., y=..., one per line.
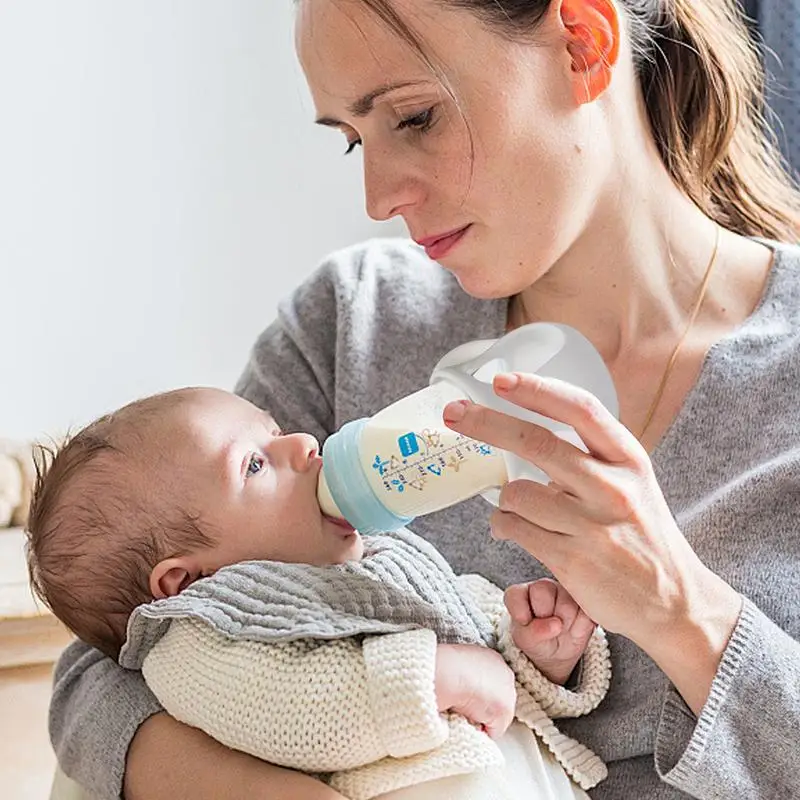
x=544, y=348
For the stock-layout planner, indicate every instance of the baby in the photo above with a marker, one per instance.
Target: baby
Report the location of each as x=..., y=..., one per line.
x=184, y=497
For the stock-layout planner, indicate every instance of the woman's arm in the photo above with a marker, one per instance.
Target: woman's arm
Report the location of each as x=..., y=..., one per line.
x=730, y=725
x=744, y=741
x=171, y=761
x=604, y=530
x=95, y=711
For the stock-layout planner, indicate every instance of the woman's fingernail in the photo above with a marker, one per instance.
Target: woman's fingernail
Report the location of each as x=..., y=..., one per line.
x=455, y=411
x=506, y=382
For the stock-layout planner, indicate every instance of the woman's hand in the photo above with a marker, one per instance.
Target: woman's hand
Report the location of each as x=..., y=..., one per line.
x=603, y=528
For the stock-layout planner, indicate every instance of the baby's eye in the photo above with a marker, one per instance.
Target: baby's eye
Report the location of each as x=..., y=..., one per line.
x=255, y=465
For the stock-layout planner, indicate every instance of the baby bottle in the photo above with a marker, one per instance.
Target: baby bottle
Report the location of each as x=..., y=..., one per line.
x=382, y=472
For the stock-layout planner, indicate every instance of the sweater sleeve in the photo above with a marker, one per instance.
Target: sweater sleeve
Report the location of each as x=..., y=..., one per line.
x=95, y=711
x=316, y=706
x=744, y=744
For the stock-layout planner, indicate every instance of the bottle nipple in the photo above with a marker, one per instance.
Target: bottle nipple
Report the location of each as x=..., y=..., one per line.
x=326, y=502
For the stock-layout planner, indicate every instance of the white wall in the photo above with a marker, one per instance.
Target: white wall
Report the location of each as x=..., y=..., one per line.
x=161, y=186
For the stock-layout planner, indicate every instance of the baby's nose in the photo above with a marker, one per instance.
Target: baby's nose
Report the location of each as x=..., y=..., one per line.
x=301, y=449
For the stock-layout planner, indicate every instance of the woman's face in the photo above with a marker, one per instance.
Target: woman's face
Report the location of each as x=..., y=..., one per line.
x=513, y=167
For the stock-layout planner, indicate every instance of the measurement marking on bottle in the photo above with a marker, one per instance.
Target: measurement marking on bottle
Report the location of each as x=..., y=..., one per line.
x=432, y=459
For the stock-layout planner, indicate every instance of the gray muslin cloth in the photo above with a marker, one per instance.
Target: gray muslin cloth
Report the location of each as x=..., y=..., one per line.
x=402, y=583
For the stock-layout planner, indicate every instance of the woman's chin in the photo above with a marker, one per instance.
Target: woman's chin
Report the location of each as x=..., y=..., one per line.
x=481, y=285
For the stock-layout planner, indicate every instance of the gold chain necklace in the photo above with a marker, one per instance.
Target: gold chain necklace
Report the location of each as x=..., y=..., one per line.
x=673, y=358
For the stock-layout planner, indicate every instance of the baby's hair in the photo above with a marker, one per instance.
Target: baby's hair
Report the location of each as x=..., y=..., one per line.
x=96, y=528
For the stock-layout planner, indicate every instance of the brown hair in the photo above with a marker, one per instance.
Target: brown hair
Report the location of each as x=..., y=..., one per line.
x=703, y=84
x=95, y=532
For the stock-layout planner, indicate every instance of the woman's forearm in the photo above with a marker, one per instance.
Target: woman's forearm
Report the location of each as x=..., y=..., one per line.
x=690, y=651
x=168, y=760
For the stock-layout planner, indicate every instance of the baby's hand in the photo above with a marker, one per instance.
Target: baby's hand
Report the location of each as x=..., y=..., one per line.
x=548, y=626
x=477, y=683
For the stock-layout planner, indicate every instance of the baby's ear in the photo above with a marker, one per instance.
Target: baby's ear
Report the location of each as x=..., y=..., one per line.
x=172, y=576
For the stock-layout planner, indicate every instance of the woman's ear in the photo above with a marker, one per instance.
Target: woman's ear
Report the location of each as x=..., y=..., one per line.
x=171, y=576
x=592, y=30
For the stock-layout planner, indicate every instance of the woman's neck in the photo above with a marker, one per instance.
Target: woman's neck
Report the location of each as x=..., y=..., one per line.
x=630, y=283
x=631, y=279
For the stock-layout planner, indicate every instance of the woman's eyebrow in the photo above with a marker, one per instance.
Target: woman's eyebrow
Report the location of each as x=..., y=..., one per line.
x=364, y=105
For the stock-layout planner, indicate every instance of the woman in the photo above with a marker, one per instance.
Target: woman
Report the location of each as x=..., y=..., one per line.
x=598, y=163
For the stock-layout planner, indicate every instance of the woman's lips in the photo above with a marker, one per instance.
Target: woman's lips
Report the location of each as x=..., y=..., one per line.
x=438, y=247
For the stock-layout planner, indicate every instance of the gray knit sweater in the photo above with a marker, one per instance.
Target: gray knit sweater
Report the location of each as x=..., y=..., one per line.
x=366, y=329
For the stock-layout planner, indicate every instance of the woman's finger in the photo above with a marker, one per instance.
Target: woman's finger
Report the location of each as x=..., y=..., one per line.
x=563, y=463
x=600, y=431
x=550, y=507
x=548, y=547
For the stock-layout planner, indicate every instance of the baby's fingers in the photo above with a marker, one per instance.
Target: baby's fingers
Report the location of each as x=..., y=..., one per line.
x=518, y=604
x=543, y=597
x=582, y=628
x=538, y=637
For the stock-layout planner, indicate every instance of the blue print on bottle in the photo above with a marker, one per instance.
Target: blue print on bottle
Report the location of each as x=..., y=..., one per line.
x=380, y=465
x=408, y=444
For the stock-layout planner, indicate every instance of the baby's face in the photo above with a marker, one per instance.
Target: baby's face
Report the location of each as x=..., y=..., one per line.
x=253, y=485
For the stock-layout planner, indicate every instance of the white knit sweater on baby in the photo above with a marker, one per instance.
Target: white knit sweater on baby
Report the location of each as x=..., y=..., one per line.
x=361, y=710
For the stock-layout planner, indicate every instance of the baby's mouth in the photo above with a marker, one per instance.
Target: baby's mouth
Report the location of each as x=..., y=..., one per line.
x=340, y=523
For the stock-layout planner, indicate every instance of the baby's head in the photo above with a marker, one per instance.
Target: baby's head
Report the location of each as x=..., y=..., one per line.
x=146, y=500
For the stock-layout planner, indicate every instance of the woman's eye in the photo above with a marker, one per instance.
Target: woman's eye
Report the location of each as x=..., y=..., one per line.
x=255, y=465
x=421, y=122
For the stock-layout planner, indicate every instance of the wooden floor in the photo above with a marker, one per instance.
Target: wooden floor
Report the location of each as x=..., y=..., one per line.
x=30, y=640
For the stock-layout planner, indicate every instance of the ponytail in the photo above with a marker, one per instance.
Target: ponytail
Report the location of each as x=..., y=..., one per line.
x=703, y=84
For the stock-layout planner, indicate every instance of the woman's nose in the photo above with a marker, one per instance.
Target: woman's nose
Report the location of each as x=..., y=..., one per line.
x=390, y=188
x=299, y=450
